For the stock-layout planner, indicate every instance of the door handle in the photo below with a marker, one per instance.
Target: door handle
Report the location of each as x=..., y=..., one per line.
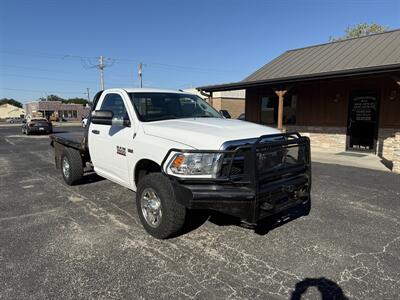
x=95, y=131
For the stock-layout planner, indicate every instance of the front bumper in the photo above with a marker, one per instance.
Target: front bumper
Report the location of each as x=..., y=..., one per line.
x=242, y=201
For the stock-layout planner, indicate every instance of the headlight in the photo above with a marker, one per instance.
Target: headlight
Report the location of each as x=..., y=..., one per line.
x=189, y=164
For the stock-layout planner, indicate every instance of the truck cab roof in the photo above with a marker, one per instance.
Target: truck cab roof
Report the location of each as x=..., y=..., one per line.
x=145, y=90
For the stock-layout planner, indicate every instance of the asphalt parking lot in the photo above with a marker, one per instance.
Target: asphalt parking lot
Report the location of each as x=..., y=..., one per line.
x=86, y=241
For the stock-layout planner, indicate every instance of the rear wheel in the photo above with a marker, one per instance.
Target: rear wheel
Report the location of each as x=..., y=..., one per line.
x=160, y=214
x=71, y=166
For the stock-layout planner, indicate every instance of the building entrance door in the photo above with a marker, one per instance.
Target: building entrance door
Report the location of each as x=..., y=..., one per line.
x=362, y=121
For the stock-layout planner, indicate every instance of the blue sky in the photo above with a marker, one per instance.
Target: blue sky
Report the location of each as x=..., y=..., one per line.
x=48, y=46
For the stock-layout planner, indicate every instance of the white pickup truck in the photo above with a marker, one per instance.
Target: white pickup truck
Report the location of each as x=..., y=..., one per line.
x=178, y=153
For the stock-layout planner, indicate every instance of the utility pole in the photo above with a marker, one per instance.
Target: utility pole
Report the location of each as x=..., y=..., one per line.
x=141, y=74
x=101, y=67
x=87, y=94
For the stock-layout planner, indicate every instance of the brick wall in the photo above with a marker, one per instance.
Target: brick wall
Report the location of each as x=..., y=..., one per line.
x=327, y=139
x=396, y=154
x=234, y=106
x=388, y=147
x=333, y=140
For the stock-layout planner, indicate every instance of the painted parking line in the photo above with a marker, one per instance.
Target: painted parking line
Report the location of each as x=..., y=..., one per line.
x=27, y=136
x=8, y=141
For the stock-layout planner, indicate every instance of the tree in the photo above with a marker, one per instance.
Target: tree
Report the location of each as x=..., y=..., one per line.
x=11, y=102
x=76, y=101
x=52, y=98
x=359, y=30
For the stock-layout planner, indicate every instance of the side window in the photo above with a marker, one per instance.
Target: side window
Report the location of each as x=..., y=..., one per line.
x=115, y=103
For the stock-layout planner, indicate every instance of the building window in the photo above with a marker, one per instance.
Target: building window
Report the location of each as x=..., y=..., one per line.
x=74, y=114
x=269, y=109
x=289, y=109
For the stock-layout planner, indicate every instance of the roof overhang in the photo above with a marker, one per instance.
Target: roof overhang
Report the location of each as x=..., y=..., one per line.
x=302, y=78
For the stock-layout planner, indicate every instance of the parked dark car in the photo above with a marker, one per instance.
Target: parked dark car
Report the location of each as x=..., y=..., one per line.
x=14, y=120
x=225, y=113
x=37, y=125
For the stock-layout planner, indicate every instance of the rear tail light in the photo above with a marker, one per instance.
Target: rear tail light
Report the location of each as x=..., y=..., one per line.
x=31, y=124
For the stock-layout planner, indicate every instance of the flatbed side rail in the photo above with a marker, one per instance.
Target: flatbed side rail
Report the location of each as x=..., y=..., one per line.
x=68, y=142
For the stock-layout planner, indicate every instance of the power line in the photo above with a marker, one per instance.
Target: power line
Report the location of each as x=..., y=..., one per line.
x=37, y=91
x=37, y=69
x=87, y=61
x=48, y=78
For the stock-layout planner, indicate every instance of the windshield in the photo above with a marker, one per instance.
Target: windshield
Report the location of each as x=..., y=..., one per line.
x=165, y=106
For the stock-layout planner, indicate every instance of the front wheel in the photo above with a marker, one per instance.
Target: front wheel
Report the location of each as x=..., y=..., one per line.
x=160, y=214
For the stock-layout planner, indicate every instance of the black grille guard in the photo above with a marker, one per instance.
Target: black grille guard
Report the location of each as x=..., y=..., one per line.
x=263, y=144
x=269, y=187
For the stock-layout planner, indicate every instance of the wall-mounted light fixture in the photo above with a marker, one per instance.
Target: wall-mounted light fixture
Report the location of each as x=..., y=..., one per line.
x=393, y=95
x=337, y=98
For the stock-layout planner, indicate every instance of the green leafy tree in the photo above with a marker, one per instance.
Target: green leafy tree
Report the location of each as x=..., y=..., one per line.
x=76, y=101
x=360, y=30
x=52, y=98
x=11, y=101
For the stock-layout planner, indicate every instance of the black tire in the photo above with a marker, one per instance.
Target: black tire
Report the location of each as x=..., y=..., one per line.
x=73, y=158
x=307, y=207
x=173, y=213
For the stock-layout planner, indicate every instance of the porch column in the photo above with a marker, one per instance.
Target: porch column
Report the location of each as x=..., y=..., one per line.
x=281, y=94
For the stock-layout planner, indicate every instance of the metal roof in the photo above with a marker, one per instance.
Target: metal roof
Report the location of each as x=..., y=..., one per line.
x=373, y=53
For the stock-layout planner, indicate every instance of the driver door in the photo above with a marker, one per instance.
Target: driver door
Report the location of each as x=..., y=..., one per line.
x=109, y=145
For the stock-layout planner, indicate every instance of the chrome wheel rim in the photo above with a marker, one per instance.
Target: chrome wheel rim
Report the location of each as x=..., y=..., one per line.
x=66, y=167
x=151, y=207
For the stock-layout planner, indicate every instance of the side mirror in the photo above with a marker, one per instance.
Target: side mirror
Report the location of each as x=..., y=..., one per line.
x=106, y=117
x=102, y=117
x=225, y=113
x=121, y=122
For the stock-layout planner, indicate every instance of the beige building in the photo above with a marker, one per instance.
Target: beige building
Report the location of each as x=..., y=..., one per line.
x=232, y=101
x=57, y=110
x=11, y=111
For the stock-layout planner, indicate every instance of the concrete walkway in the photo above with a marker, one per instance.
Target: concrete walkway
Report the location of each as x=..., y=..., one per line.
x=358, y=160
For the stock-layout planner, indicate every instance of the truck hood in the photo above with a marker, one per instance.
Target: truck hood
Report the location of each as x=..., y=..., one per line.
x=206, y=133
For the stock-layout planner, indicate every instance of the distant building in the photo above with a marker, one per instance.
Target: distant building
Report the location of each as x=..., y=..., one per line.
x=10, y=111
x=232, y=101
x=56, y=110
